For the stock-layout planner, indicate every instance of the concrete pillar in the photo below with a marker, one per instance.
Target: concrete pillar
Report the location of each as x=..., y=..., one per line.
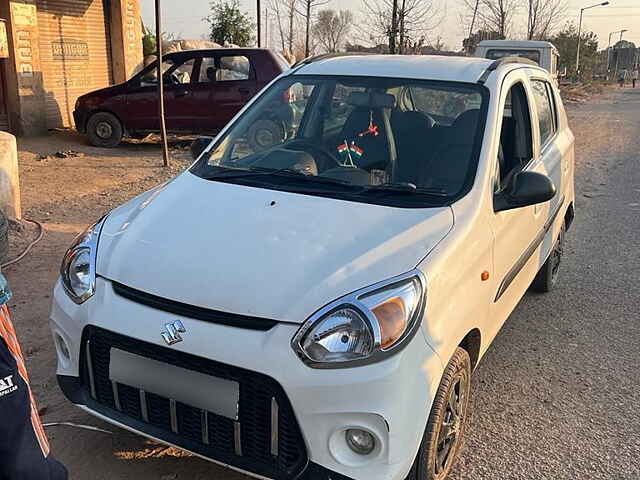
x=25, y=92
x=9, y=179
x=126, y=39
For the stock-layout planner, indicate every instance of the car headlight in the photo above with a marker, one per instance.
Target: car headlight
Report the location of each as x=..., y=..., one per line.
x=365, y=326
x=78, y=269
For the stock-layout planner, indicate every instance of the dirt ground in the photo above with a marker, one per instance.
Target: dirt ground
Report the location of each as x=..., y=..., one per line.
x=66, y=195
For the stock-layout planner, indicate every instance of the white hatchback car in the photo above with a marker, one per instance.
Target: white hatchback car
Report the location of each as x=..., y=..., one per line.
x=314, y=307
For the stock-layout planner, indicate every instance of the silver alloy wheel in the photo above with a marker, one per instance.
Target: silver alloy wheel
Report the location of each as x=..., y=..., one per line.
x=450, y=433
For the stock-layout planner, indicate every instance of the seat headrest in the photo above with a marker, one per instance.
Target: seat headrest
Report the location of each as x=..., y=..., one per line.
x=371, y=100
x=467, y=120
x=410, y=120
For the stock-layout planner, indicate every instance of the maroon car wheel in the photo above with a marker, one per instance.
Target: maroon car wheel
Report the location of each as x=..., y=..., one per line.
x=104, y=130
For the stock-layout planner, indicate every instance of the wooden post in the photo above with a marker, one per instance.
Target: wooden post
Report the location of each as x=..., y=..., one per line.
x=163, y=126
x=258, y=13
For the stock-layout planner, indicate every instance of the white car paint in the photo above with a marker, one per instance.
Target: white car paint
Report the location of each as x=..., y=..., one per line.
x=285, y=261
x=345, y=247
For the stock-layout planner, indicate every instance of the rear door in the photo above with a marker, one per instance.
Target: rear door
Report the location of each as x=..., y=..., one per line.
x=551, y=155
x=515, y=231
x=225, y=83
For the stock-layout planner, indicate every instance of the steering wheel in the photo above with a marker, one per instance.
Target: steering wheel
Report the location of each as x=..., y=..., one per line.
x=315, y=148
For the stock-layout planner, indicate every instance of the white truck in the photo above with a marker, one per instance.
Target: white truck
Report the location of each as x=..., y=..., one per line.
x=544, y=54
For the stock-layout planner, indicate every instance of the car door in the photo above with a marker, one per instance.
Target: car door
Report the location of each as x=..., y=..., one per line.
x=551, y=159
x=142, y=96
x=515, y=231
x=226, y=82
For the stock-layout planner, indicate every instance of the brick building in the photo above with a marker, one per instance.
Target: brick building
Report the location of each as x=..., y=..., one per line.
x=57, y=50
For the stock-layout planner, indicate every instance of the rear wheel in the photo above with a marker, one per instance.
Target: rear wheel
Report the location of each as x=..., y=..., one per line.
x=445, y=430
x=547, y=277
x=104, y=130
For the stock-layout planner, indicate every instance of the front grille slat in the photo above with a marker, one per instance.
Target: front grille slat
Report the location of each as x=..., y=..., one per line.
x=192, y=311
x=250, y=443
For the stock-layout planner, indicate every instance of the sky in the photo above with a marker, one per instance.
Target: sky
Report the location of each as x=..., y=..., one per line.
x=185, y=18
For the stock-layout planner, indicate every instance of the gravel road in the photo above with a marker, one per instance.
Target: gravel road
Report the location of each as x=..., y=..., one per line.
x=558, y=394
x=556, y=397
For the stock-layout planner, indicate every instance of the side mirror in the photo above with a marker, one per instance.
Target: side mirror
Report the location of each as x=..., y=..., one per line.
x=199, y=145
x=526, y=188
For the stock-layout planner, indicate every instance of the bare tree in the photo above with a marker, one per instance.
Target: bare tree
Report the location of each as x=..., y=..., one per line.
x=544, y=17
x=305, y=8
x=493, y=15
x=331, y=29
x=402, y=23
x=285, y=13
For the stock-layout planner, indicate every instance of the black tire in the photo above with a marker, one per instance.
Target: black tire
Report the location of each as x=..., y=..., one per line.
x=444, y=435
x=547, y=277
x=265, y=134
x=104, y=130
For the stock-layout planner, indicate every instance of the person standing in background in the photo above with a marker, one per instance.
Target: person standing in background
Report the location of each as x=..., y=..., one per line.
x=24, y=447
x=634, y=76
x=622, y=76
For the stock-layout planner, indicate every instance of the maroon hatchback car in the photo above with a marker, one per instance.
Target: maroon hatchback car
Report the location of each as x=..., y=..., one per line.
x=204, y=89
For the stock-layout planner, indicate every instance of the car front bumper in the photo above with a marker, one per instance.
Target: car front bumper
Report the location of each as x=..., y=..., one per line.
x=390, y=399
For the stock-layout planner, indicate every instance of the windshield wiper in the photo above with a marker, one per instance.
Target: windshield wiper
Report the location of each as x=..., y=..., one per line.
x=405, y=188
x=234, y=173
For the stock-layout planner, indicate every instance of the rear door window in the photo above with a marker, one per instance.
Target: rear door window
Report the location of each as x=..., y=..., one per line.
x=545, y=109
x=233, y=67
x=226, y=68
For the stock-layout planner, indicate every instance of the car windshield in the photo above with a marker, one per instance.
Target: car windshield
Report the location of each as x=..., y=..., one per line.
x=380, y=140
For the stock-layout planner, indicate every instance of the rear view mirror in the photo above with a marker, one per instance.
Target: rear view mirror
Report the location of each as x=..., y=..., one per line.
x=526, y=188
x=199, y=145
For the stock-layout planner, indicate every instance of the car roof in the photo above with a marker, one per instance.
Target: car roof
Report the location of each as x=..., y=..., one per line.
x=199, y=51
x=516, y=44
x=423, y=67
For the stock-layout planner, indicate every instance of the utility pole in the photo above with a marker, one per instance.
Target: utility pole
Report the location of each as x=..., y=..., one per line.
x=259, y=11
x=163, y=125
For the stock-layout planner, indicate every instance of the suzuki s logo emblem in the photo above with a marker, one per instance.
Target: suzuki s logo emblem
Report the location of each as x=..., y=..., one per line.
x=172, y=331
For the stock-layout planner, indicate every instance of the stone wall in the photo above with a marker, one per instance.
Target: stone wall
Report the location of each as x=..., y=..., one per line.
x=9, y=179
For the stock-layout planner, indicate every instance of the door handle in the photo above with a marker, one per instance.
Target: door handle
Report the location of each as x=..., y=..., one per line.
x=182, y=93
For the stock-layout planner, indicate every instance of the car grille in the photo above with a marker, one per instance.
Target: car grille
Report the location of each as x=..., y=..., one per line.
x=265, y=439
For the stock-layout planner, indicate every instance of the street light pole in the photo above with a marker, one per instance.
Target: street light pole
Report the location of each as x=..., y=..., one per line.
x=603, y=4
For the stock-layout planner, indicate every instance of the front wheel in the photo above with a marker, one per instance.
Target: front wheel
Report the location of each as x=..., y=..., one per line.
x=445, y=430
x=104, y=130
